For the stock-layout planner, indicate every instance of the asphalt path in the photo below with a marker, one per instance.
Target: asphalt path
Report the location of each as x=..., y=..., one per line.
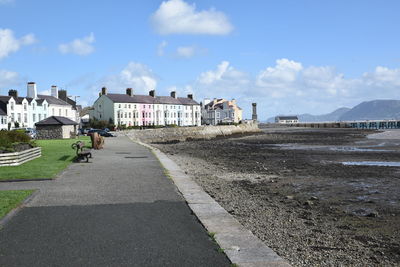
x=119, y=210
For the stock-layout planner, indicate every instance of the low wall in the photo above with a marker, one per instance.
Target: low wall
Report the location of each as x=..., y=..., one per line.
x=17, y=158
x=190, y=133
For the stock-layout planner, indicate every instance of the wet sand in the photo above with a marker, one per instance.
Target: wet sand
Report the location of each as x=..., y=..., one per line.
x=290, y=188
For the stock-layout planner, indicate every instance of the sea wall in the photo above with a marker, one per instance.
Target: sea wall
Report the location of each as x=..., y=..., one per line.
x=190, y=133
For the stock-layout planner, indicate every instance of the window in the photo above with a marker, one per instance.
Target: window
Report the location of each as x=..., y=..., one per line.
x=119, y=106
x=12, y=117
x=149, y=114
x=25, y=118
x=129, y=106
x=53, y=112
x=34, y=117
x=66, y=113
x=149, y=106
x=33, y=106
x=40, y=117
x=135, y=106
x=44, y=106
x=25, y=107
x=19, y=117
x=125, y=106
x=126, y=115
x=12, y=105
x=129, y=115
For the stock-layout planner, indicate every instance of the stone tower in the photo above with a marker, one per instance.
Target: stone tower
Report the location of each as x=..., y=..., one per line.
x=254, y=116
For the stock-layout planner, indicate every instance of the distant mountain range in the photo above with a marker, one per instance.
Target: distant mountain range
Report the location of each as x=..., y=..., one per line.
x=368, y=110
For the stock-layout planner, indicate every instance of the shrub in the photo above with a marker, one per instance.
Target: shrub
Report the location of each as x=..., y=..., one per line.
x=9, y=138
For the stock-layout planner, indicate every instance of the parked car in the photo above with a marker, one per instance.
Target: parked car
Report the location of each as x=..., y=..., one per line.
x=29, y=131
x=105, y=134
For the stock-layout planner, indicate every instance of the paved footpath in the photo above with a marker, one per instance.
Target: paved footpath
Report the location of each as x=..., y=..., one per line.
x=119, y=210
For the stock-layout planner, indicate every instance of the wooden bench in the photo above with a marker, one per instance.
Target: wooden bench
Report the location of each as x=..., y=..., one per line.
x=80, y=153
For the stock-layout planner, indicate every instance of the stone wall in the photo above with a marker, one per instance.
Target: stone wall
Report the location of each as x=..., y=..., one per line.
x=49, y=132
x=190, y=133
x=55, y=132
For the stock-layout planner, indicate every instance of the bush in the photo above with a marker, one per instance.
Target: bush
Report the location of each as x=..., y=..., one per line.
x=96, y=124
x=10, y=138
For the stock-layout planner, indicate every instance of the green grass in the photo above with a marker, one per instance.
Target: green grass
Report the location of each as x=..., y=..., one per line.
x=11, y=199
x=56, y=156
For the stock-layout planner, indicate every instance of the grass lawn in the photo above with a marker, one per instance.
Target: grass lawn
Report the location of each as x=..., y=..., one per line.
x=11, y=199
x=56, y=156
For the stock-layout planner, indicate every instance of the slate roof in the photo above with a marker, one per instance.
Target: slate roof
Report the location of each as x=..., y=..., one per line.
x=187, y=101
x=39, y=101
x=287, y=117
x=56, y=120
x=146, y=99
x=167, y=100
x=53, y=100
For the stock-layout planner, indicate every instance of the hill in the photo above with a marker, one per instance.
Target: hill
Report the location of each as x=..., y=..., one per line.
x=368, y=110
x=333, y=116
x=373, y=110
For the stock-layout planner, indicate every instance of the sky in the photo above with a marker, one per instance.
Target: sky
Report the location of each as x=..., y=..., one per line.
x=288, y=56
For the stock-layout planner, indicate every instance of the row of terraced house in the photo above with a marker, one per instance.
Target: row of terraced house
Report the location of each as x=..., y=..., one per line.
x=27, y=110
x=130, y=109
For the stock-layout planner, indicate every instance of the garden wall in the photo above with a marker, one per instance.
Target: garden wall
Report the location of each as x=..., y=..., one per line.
x=17, y=158
x=190, y=133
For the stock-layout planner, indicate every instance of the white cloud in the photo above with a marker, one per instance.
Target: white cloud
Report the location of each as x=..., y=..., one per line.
x=383, y=76
x=179, y=17
x=135, y=75
x=185, y=51
x=9, y=44
x=80, y=47
x=285, y=71
x=8, y=78
x=161, y=47
x=288, y=87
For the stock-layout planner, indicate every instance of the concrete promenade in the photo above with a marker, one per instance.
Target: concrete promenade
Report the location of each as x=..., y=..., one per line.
x=119, y=210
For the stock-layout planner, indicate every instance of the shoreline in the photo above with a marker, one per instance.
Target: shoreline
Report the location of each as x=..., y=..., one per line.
x=293, y=213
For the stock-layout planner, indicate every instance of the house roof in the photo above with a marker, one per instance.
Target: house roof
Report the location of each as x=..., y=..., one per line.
x=167, y=100
x=56, y=120
x=287, y=117
x=187, y=101
x=53, y=100
x=146, y=99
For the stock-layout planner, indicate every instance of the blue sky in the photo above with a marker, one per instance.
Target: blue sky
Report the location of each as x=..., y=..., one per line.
x=290, y=57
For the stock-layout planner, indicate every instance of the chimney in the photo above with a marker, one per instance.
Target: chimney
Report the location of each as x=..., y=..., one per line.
x=190, y=96
x=31, y=90
x=173, y=94
x=54, y=91
x=152, y=93
x=62, y=94
x=104, y=90
x=13, y=93
x=99, y=94
x=129, y=92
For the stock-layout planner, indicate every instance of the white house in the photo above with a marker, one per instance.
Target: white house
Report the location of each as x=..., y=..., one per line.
x=145, y=110
x=286, y=119
x=32, y=108
x=221, y=111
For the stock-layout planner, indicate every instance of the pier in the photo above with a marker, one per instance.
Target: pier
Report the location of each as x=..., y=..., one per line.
x=367, y=124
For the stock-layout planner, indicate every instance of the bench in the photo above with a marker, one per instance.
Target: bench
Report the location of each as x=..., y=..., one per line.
x=80, y=153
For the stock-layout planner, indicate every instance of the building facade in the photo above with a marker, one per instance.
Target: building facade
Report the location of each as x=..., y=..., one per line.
x=219, y=111
x=26, y=111
x=146, y=110
x=286, y=119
